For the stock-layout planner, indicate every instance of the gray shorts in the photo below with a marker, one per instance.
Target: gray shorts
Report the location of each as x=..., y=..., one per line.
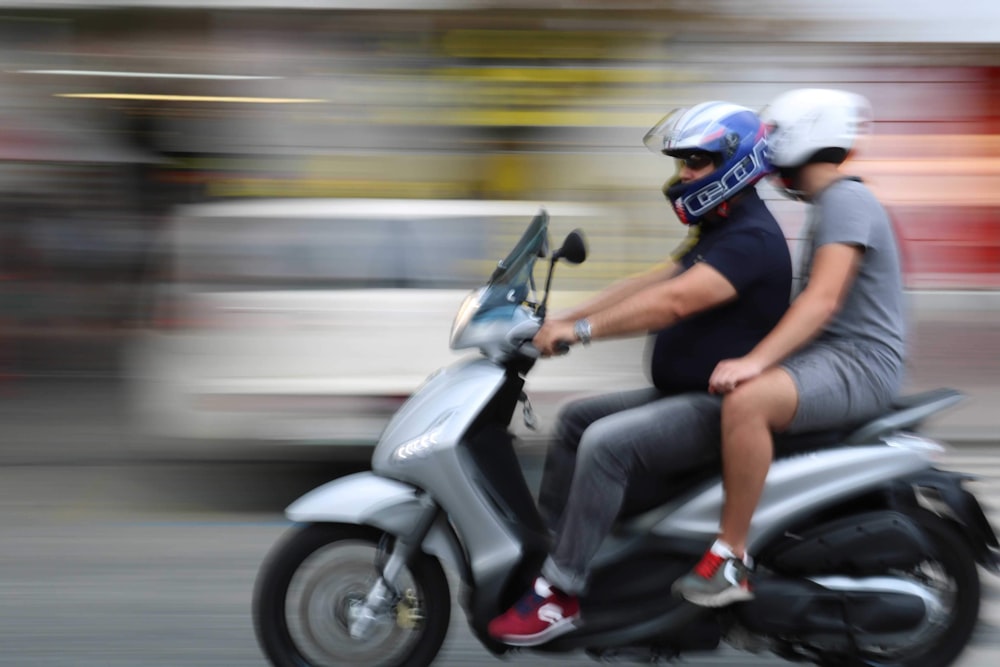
x=839, y=385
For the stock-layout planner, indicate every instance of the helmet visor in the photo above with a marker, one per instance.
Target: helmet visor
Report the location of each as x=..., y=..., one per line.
x=662, y=137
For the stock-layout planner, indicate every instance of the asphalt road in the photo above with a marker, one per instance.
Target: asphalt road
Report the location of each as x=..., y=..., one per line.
x=153, y=566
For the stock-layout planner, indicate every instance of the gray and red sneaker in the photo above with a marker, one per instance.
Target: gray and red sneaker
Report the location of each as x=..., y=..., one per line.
x=719, y=579
x=542, y=614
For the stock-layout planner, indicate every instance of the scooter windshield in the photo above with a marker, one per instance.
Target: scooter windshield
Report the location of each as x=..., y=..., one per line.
x=512, y=279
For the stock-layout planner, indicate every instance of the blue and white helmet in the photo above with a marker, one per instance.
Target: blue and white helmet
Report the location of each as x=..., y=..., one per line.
x=737, y=140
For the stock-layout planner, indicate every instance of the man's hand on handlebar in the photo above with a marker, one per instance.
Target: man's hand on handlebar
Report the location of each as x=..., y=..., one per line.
x=555, y=337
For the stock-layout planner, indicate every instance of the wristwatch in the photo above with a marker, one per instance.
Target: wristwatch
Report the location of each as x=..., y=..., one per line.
x=582, y=330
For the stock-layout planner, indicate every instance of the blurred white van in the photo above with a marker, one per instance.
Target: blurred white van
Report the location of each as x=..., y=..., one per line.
x=310, y=321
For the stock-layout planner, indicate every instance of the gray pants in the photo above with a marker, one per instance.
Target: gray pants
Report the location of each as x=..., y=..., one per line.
x=605, y=443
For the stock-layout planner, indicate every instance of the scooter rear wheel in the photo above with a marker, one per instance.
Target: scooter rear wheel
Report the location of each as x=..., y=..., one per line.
x=314, y=580
x=952, y=571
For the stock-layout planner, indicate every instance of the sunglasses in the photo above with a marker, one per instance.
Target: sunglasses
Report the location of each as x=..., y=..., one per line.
x=696, y=161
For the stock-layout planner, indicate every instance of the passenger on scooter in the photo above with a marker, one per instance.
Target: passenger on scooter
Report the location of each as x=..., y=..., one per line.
x=724, y=289
x=836, y=357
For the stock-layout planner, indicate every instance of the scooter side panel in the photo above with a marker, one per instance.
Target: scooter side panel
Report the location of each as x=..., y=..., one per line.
x=366, y=499
x=447, y=402
x=795, y=486
x=438, y=416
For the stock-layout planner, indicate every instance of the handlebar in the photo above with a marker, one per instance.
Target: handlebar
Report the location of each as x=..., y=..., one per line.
x=521, y=335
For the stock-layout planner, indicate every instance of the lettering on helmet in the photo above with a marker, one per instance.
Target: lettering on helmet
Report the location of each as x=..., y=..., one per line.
x=740, y=175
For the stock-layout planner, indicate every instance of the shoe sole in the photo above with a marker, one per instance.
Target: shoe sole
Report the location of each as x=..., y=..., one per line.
x=555, y=630
x=720, y=599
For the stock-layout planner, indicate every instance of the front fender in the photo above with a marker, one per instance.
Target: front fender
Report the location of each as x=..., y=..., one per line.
x=394, y=507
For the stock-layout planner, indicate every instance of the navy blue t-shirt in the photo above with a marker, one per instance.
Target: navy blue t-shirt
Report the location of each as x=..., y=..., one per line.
x=749, y=249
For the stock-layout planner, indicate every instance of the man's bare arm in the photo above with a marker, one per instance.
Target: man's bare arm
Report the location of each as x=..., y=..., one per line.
x=620, y=290
x=663, y=303
x=830, y=279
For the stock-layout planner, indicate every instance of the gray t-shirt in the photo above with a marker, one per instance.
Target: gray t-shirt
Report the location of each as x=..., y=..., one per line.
x=872, y=318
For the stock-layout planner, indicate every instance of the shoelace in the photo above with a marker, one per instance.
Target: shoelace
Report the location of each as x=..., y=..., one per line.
x=709, y=565
x=529, y=603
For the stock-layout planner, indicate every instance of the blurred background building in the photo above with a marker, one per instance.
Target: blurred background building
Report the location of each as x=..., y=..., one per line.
x=114, y=115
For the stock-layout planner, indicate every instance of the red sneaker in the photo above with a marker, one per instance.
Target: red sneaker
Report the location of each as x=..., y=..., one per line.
x=542, y=614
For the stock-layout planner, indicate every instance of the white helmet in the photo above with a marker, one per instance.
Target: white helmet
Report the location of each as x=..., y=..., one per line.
x=809, y=121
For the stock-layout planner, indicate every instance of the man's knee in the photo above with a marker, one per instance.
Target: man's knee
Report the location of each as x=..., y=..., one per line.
x=737, y=404
x=758, y=403
x=592, y=447
x=608, y=454
x=571, y=422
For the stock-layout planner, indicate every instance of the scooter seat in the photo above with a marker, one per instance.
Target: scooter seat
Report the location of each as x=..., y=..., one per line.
x=908, y=412
x=790, y=444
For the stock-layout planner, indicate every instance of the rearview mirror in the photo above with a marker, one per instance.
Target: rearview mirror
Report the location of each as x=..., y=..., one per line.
x=574, y=248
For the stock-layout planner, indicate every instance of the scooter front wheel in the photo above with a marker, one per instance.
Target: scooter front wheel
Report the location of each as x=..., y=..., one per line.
x=312, y=585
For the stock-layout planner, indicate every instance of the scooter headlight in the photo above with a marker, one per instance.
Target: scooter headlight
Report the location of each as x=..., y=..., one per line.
x=468, y=310
x=421, y=445
x=416, y=448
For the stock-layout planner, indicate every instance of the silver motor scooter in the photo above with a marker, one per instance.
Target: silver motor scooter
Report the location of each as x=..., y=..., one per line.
x=866, y=553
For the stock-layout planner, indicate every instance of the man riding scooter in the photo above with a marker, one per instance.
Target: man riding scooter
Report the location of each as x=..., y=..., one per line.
x=724, y=289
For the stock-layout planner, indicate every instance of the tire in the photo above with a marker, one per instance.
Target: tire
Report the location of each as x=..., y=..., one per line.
x=952, y=570
x=309, y=582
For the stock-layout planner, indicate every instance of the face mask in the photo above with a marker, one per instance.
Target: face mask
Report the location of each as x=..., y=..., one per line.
x=672, y=191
